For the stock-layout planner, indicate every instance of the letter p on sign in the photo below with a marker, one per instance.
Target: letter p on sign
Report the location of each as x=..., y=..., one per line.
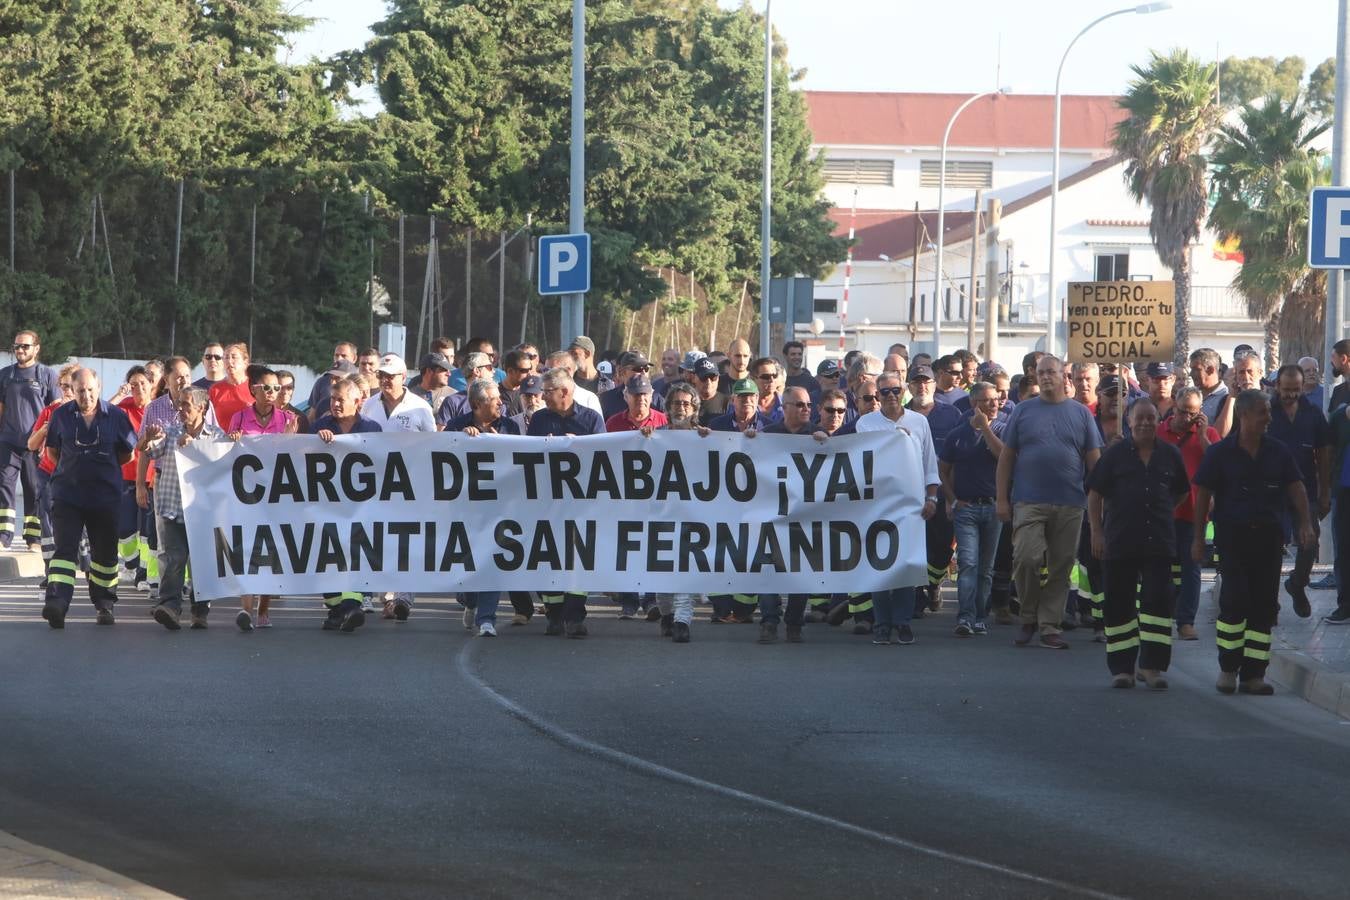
x=564, y=264
x=1328, y=228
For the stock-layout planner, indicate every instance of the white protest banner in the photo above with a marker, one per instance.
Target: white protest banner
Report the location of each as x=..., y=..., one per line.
x=618, y=512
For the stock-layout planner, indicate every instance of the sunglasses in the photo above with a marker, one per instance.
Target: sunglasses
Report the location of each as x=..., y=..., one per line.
x=23, y=346
x=800, y=405
x=215, y=357
x=707, y=377
x=890, y=391
x=766, y=376
x=833, y=410
x=646, y=368
x=529, y=355
x=269, y=388
x=956, y=372
x=870, y=398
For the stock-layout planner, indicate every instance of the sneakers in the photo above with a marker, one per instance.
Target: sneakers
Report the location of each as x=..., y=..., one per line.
x=681, y=633
x=1024, y=635
x=1299, y=594
x=794, y=634
x=467, y=618
x=1338, y=617
x=1326, y=584
x=244, y=620
x=882, y=637
x=905, y=635
x=1054, y=642
x=401, y=610
x=352, y=620
x=55, y=616
x=963, y=629
x=367, y=604
x=575, y=629
x=105, y=616
x=768, y=632
x=264, y=621
x=667, y=624
x=519, y=619
x=979, y=629
x=167, y=616
x=1187, y=633
x=487, y=629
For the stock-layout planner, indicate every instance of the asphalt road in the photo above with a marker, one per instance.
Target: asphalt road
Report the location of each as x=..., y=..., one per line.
x=412, y=760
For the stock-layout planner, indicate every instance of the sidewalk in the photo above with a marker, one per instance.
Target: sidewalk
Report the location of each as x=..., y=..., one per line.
x=1311, y=658
x=27, y=870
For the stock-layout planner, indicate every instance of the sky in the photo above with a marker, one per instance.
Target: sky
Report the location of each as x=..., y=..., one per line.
x=969, y=45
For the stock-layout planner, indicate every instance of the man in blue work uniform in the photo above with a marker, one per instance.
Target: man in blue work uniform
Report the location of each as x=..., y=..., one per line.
x=1298, y=423
x=91, y=440
x=1252, y=482
x=562, y=416
x=744, y=416
x=26, y=387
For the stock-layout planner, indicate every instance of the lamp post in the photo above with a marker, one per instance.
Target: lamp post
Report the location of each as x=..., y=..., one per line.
x=766, y=207
x=942, y=216
x=1053, y=300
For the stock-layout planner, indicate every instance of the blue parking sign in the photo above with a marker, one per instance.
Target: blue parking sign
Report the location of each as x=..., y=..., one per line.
x=1329, y=228
x=564, y=264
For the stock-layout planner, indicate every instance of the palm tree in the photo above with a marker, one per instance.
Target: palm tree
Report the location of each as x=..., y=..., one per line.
x=1172, y=112
x=1264, y=168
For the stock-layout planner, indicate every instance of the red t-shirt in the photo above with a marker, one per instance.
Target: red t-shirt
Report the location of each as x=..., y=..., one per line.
x=1191, y=453
x=620, y=421
x=228, y=399
x=137, y=415
x=45, y=462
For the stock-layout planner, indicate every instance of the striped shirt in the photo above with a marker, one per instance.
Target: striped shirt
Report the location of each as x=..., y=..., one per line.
x=168, y=493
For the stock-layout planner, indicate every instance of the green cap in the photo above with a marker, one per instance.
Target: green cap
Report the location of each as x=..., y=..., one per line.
x=745, y=386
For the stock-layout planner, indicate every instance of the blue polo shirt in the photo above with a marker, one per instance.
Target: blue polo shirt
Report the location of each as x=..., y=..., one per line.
x=503, y=425
x=362, y=425
x=943, y=419
x=452, y=407
x=88, y=474
x=582, y=421
x=727, y=422
x=1304, y=434
x=974, y=467
x=25, y=393
x=951, y=396
x=1247, y=490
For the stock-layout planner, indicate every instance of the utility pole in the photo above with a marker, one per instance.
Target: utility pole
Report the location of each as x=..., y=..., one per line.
x=1340, y=176
x=974, y=274
x=766, y=205
x=993, y=290
x=574, y=305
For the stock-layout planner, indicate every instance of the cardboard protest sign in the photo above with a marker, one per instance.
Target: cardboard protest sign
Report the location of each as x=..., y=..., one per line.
x=1122, y=321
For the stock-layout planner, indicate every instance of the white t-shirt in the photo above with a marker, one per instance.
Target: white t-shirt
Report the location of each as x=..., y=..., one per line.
x=917, y=426
x=587, y=399
x=411, y=414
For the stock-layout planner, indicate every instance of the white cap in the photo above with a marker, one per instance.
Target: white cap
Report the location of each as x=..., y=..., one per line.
x=392, y=364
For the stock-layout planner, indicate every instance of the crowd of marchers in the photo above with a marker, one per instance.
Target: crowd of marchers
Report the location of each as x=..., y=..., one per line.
x=1057, y=497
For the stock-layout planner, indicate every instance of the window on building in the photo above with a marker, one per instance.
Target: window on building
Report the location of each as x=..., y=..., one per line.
x=1113, y=265
x=860, y=171
x=960, y=173
x=827, y=305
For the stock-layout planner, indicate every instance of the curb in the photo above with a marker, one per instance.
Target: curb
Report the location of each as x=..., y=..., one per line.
x=1312, y=681
x=27, y=870
x=20, y=565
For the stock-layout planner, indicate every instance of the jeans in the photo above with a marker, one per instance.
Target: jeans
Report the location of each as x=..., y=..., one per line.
x=1188, y=598
x=680, y=606
x=173, y=560
x=484, y=605
x=771, y=609
x=892, y=608
x=977, y=533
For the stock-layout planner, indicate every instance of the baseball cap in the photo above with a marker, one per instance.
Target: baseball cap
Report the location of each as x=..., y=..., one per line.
x=919, y=373
x=392, y=364
x=690, y=358
x=435, y=361
x=584, y=343
x=341, y=368
x=632, y=358
x=705, y=368
x=605, y=367
x=639, y=384
x=828, y=368
x=745, y=386
x=532, y=384
x=1109, y=384
x=1159, y=370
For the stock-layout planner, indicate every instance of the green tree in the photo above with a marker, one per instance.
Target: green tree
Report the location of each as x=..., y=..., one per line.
x=1171, y=115
x=1245, y=79
x=1321, y=94
x=1264, y=167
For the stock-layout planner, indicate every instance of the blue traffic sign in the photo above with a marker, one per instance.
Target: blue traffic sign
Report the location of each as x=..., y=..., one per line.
x=1328, y=228
x=565, y=264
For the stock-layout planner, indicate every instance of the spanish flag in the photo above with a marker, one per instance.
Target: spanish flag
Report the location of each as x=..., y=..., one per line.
x=1229, y=250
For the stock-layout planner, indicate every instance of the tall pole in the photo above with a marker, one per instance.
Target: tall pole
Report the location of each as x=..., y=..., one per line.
x=941, y=222
x=1340, y=175
x=501, y=294
x=1052, y=309
x=11, y=220
x=468, y=284
x=974, y=272
x=914, y=276
x=993, y=288
x=574, y=305
x=400, y=268
x=766, y=202
x=177, y=255
x=848, y=271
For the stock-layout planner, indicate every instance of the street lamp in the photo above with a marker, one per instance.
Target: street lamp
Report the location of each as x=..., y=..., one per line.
x=942, y=216
x=1053, y=300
